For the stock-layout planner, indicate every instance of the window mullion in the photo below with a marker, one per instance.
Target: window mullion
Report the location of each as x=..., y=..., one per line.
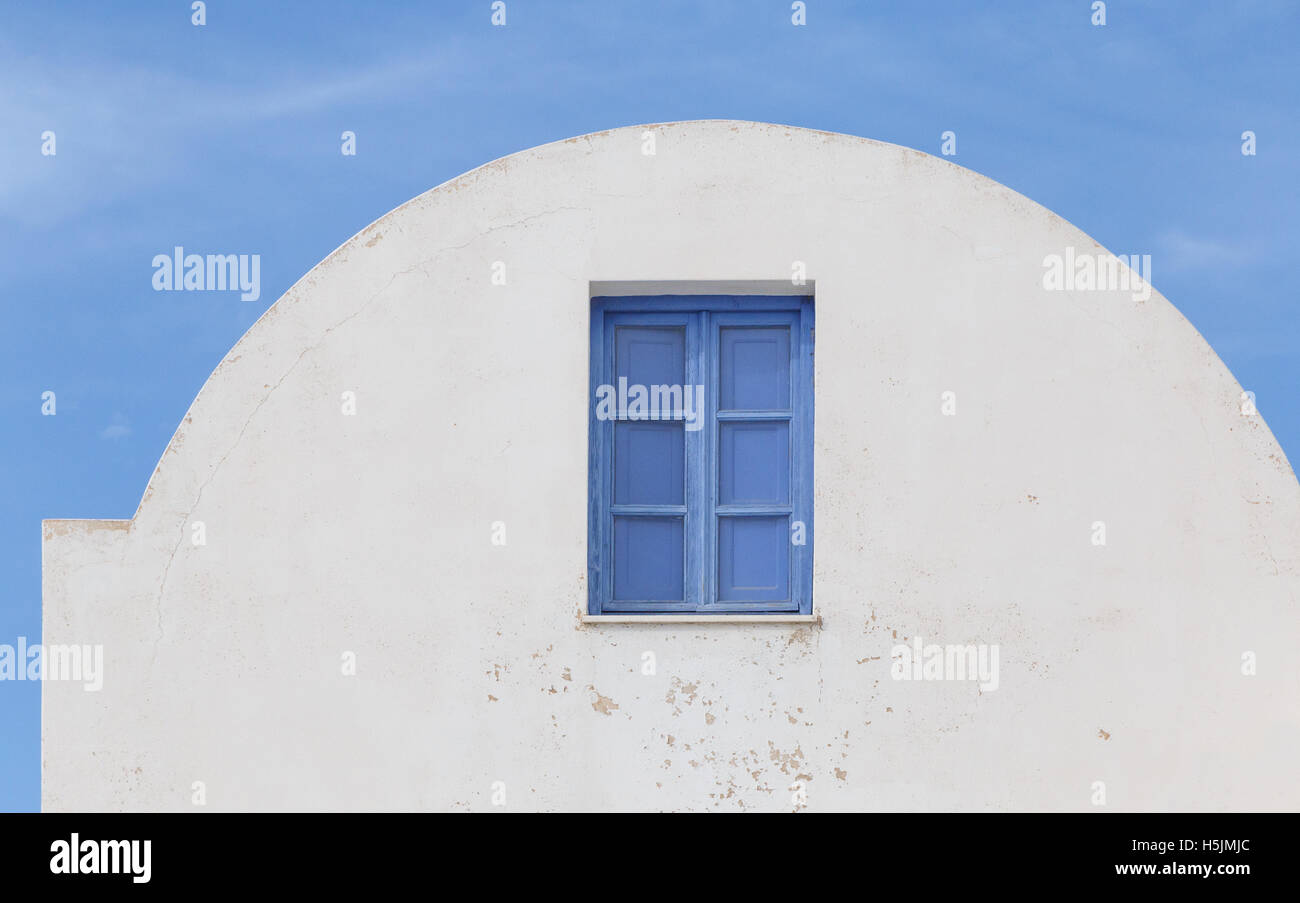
x=695, y=452
x=708, y=469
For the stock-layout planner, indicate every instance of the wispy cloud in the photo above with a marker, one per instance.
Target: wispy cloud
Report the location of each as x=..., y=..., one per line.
x=119, y=428
x=123, y=128
x=1180, y=252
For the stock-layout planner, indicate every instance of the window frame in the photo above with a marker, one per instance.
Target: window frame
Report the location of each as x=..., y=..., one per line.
x=702, y=317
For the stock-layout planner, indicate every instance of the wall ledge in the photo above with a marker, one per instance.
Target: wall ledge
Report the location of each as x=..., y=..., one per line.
x=702, y=619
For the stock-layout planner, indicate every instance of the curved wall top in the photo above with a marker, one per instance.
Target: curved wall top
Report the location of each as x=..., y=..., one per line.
x=330, y=534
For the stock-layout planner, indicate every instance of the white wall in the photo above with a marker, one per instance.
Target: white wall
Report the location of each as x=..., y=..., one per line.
x=371, y=533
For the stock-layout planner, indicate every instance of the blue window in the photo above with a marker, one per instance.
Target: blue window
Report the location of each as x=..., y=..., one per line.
x=701, y=437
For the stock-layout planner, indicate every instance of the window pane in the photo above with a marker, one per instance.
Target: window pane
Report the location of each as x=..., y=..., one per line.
x=649, y=461
x=754, y=368
x=650, y=356
x=754, y=463
x=648, y=559
x=753, y=559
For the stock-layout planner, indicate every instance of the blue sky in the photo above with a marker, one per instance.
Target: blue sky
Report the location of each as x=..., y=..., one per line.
x=225, y=138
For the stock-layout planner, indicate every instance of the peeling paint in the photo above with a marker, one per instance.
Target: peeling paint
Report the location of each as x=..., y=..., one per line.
x=603, y=704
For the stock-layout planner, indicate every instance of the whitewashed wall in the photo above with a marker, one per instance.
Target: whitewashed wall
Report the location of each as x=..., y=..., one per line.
x=371, y=533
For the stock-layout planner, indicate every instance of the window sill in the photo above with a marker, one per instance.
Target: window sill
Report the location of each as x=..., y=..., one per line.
x=702, y=619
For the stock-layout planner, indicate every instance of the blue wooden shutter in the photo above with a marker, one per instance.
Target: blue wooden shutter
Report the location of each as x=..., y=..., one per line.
x=701, y=519
x=754, y=479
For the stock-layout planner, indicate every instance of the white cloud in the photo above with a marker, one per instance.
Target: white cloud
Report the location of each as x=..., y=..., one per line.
x=1181, y=252
x=124, y=129
x=119, y=428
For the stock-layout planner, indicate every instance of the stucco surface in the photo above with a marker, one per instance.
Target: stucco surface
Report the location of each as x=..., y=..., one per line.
x=371, y=533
